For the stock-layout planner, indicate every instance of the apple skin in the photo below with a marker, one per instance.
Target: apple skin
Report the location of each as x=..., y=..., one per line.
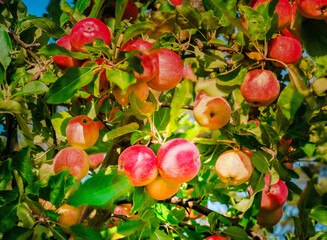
x=150, y=63
x=139, y=164
x=274, y=196
x=286, y=49
x=234, y=167
x=178, y=160
x=176, y=2
x=96, y=159
x=216, y=237
x=260, y=88
x=161, y=189
x=283, y=10
x=189, y=74
x=82, y=132
x=269, y=218
x=87, y=30
x=64, y=62
x=73, y=159
x=315, y=9
x=121, y=209
x=211, y=112
x=170, y=70
x=69, y=215
x=141, y=91
x=131, y=11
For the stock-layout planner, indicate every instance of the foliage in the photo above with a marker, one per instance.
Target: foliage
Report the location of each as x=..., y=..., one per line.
x=37, y=100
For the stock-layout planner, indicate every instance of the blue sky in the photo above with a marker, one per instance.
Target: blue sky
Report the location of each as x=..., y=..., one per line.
x=38, y=7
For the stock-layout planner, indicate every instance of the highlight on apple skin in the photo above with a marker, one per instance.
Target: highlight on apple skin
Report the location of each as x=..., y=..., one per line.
x=234, y=167
x=285, y=49
x=161, y=189
x=178, y=160
x=86, y=31
x=211, y=112
x=260, y=88
x=82, y=132
x=73, y=159
x=139, y=164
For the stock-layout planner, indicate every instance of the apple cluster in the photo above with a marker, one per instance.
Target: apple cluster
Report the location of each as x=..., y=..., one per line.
x=177, y=161
x=273, y=198
x=82, y=133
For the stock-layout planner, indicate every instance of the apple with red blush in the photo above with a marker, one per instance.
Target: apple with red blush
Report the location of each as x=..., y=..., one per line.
x=96, y=160
x=260, y=88
x=269, y=218
x=315, y=9
x=216, y=237
x=211, y=111
x=161, y=189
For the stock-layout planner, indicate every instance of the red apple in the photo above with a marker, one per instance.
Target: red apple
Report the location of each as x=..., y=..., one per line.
x=64, y=62
x=139, y=45
x=121, y=209
x=285, y=49
x=170, y=70
x=283, y=10
x=69, y=215
x=234, y=167
x=161, y=189
x=312, y=8
x=178, y=160
x=96, y=160
x=87, y=30
x=141, y=91
x=260, y=87
x=176, y=2
x=269, y=218
x=211, y=112
x=131, y=11
x=274, y=196
x=188, y=73
x=216, y=237
x=139, y=164
x=82, y=132
x=73, y=159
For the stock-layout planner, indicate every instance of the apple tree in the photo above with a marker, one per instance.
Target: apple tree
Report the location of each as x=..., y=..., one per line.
x=156, y=119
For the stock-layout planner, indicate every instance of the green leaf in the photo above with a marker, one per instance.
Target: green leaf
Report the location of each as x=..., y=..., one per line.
x=163, y=22
x=8, y=218
x=182, y=95
x=160, y=235
x=289, y=101
x=11, y=106
x=25, y=214
x=319, y=214
x=35, y=87
x=236, y=233
x=210, y=58
x=56, y=188
x=54, y=49
x=247, y=141
x=85, y=233
x=130, y=227
x=163, y=213
x=141, y=199
x=6, y=48
x=136, y=29
x=22, y=164
x=120, y=131
x=5, y=173
x=121, y=78
x=59, y=122
x=66, y=86
x=45, y=24
x=218, y=42
x=188, y=17
x=18, y=233
x=260, y=160
x=269, y=135
x=8, y=196
x=119, y=11
x=255, y=23
x=100, y=190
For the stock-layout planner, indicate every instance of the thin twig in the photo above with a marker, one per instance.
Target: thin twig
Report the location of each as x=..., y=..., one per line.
x=188, y=107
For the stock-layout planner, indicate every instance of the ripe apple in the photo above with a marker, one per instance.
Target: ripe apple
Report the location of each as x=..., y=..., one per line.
x=139, y=164
x=87, y=30
x=178, y=160
x=104, y=84
x=274, y=196
x=96, y=160
x=312, y=8
x=170, y=70
x=176, y=2
x=161, y=189
x=283, y=10
x=216, y=237
x=131, y=11
x=69, y=215
x=150, y=63
x=212, y=112
x=73, y=159
x=64, y=62
x=260, y=87
x=293, y=30
x=141, y=91
x=286, y=49
x=121, y=209
x=234, y=167
x=82, y=132
x=269, y=218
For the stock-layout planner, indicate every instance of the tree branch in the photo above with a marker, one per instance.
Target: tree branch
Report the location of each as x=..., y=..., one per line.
x=188, y=107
